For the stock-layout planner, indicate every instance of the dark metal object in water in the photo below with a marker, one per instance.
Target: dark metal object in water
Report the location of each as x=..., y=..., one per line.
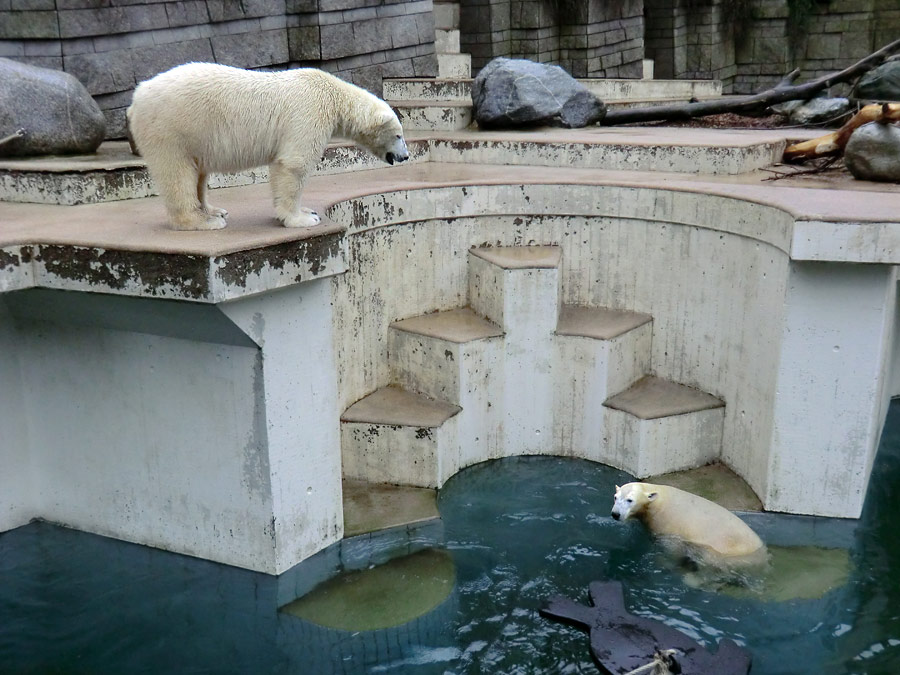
x=622, y=642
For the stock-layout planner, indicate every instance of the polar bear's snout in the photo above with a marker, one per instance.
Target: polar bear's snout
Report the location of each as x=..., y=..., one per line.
x=398, y=152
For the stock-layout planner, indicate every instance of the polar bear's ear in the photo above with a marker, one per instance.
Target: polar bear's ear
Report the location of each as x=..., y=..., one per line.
x=651, y=496
x=618, y=489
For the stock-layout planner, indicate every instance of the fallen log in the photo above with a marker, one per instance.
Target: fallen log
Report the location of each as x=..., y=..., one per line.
x=753, y=103
x=832, y=145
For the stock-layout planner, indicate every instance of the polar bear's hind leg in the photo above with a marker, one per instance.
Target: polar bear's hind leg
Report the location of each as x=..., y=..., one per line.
x=287, y=184
x=202, y=192
x=178, y=179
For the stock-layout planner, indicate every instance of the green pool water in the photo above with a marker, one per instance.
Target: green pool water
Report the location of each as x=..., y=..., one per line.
x=516, y=531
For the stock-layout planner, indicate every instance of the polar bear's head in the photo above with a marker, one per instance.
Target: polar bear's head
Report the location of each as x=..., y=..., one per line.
x=384, y=137
x=631, y=499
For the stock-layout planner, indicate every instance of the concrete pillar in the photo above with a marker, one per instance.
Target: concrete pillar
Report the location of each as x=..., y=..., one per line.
x=832, y=386
x=203, y=429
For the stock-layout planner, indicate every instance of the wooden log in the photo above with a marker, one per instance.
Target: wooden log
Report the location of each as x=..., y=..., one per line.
x=749, y=104
x=832, y=145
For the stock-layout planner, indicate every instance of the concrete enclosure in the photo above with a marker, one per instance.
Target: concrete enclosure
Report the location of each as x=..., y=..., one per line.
x=207, y=394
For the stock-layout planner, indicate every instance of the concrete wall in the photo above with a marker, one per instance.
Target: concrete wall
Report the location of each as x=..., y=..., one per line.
x=110, y=45
x=716, y=295
x=589, y=39
x=18, y=489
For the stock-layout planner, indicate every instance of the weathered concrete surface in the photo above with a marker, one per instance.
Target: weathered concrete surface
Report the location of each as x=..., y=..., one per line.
x=597, y=322
x=369, y=507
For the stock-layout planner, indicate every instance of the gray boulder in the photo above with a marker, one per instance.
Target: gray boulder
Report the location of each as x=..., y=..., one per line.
x=881, y=83
x=821, y=111
x=54, y=109
x=511, y=93
x=873, y=152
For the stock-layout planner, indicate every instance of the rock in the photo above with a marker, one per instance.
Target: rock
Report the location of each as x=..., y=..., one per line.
x=55, y=110
x=881, y=83
x=511, y=93
x=873, y=152
x=821, y=111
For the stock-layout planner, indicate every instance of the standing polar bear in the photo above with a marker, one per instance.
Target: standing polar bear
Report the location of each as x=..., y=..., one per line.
x=201, y=118
x=712, y=532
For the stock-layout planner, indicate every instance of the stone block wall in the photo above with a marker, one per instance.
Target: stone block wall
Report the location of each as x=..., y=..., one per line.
x=111, y=45
x=589, y=38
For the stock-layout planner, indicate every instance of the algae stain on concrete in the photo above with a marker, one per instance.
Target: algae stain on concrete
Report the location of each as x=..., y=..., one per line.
x=387, y=595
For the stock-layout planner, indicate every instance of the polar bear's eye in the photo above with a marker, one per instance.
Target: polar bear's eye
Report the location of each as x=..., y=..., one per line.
x=398, y=135
x=629, y=501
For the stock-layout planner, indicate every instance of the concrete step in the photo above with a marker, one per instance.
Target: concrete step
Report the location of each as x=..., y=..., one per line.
x=454, y=65
x=658, y=426
x=454, y=356
x=432, y=115
x=372, y=507
x=599, y=352
x=517, y=287
x=624, y=92
x=446, y=40
x=428, y=89
x=401, y=438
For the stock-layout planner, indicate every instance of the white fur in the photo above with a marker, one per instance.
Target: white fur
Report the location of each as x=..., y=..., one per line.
x=201, y=118
x=670, y=512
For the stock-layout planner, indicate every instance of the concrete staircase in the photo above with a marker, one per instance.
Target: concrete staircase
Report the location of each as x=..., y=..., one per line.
x=445, y=103
x=516, y=372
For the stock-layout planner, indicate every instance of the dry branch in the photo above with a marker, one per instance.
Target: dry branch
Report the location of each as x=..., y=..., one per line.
x=833, y=144
x=750, y=104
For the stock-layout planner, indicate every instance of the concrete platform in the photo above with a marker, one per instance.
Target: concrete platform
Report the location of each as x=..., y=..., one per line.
x=456, y=325
x=598, y=322
x=520, y=257
x=393, y=406
x=371, y=507
x=715, y=482
x=654, y=397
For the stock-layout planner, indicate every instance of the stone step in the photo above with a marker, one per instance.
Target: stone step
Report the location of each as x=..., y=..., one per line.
x=446, y=41
x=454, y=65
x=517, y=287
x=627, y=92
x=372, y=507
x=455, y=113
x=598, y=352
x=658, y=426
x=428, y=89
x=454, y=356
x=401, y=438
x=432, y=115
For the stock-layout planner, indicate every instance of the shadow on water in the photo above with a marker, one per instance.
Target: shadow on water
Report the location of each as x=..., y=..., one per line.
x=517, y=531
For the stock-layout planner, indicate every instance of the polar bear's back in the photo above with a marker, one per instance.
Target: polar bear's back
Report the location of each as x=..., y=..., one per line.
x=680, y=514
x=228, y=118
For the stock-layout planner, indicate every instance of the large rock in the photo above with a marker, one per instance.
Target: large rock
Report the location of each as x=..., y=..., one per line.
x=821, y=111
x=55, y=110
x=873, y=152
x=881, y=83
x=511, y=93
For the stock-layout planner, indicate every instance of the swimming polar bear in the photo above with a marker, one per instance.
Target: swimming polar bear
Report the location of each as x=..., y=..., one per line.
x=713, y=534
x=200, y=118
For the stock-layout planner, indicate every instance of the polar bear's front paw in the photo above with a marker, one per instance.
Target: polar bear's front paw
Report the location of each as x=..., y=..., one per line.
x=305, y=218
x=216, y=211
